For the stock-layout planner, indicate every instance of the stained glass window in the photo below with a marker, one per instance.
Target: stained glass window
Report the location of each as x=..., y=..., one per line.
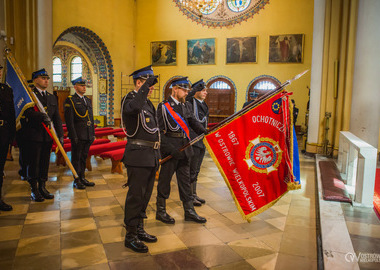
x=265, y=85
x=220, y=85
x=209, y=8
x=76, y=67
x=238, y=5
x=57, y=70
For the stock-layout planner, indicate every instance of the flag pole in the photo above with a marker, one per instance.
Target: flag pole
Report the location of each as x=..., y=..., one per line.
x=241, y=112
x=51, y=129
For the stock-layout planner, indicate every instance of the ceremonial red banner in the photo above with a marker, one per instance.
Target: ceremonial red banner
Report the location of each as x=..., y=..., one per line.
x=253, y=153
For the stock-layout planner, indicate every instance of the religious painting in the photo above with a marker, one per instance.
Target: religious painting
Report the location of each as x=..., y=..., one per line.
x=201, y=51
x=286, y=48
x=164, y=53
x=102, y=86
x=241, y=50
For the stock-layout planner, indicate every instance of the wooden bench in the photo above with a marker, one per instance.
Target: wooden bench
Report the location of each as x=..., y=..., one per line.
x=97, y=150
x=116, y=157
x=120, y=136
x=67, y=147
x=104, y=134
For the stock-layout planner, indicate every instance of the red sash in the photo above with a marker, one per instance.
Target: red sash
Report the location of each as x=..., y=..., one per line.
x=178, y=119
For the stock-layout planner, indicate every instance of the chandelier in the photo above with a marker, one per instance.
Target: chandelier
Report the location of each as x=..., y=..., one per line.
x=201, y=7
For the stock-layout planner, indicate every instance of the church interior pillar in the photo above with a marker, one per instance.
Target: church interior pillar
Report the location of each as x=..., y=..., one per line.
x=365, y=109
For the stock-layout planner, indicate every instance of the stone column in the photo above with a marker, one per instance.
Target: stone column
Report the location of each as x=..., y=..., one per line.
x=316, y=70
x=45, y=37
x=365, y=107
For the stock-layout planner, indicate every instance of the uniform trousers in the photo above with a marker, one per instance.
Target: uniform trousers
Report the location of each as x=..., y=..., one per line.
x=140, y=184
x=22, y=159
x=196, y=163
x=79, y=153
x=3, y=156
x=4, y=146
x=182, y=169
x=38, y=161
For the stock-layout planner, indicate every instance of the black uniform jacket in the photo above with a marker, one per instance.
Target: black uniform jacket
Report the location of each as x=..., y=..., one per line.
x=32, y=121
x=79, y=118
x=140, y=122
x=167, y=124
x=7, y=114
x=201, y=113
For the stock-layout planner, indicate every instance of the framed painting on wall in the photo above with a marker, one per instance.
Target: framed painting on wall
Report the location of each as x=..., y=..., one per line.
x=201, y=51
x=102, y=86
x=241, y=50
x=164, y=53
x=286, y=48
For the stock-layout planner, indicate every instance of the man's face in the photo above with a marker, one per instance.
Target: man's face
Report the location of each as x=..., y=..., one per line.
x=80, y=89
x=180, y=94
x=201, y=95
x=41, y=82
x=140, y=82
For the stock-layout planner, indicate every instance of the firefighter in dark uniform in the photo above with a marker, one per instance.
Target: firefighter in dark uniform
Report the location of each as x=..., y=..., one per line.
x=175, y=117
x=196, y=98
x=7, y=131
x=80, y=126
x=141, y=156
x=21, y=144
x=38, y=142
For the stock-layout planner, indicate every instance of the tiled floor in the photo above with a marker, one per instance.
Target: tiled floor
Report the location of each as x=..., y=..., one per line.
x=364, y=228
x=82, y=229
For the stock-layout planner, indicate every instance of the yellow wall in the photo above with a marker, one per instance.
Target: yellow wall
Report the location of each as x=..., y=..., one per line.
x=112, y=21
x=160, y=20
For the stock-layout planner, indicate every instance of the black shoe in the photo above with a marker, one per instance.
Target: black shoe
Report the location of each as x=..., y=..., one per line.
x=161, y=212
x=36, y=196
x=190, y=214
x=132, y=242
x=4, y=206
x=196, y=202
x=199, y=199
x=87, y=183
x=44, y=192
x=195, y=217
x=78, y=184
x=165, y=218
x=144, y=236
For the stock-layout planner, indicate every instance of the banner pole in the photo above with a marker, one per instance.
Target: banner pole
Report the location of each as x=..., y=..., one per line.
x=50, y=130
x=242, y=111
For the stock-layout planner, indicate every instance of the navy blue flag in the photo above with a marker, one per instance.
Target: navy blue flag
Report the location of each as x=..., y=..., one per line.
x=21, y=97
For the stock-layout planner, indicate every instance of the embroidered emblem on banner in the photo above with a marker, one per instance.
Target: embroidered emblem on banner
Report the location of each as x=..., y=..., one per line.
x=263, y=155
x=277, y=106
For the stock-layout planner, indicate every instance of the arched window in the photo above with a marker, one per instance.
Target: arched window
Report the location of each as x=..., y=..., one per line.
x=57, y=70
x=261, y=85
x=220, y=99
x=76, y=67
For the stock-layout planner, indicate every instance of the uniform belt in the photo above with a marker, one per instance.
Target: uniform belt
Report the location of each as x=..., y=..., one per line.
x=154, y=145
x=176, y=134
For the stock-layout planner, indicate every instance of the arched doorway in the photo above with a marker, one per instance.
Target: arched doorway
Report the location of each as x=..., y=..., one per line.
x=99, y=57
x=220, y=98
x=261, y=85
